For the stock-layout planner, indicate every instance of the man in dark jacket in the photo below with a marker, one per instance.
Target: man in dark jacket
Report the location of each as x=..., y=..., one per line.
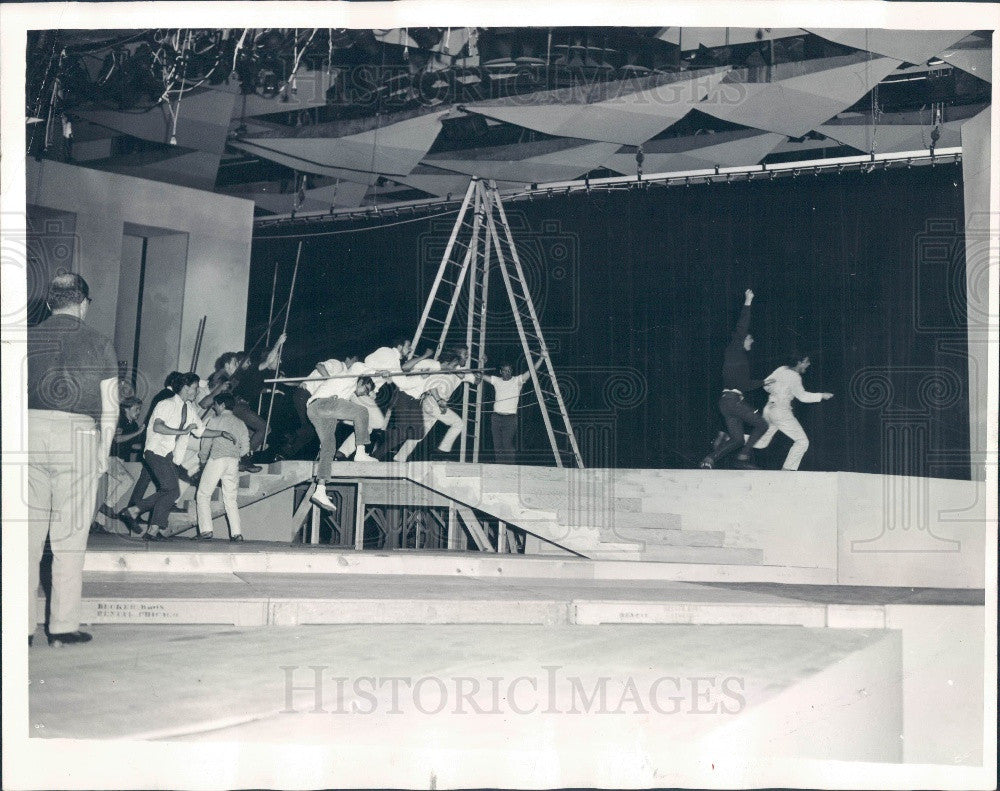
x=736, y=383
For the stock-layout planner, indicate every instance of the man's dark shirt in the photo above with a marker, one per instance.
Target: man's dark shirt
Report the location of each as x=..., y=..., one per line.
x=67, y=361
x=736, y=364
x=123, y=450
x=247, y=383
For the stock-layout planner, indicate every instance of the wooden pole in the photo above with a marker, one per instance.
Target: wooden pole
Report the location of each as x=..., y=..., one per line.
x=197, y=343
x=270, y=321
x=284, y=329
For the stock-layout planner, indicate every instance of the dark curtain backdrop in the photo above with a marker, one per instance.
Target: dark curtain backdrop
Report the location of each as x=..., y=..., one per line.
x=638, y=292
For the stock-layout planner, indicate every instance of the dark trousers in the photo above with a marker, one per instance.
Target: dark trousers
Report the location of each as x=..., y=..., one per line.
x=504, y=431
x=141, y=485
x=255, y=424
x=164, y=474
x=737, y=413
x=305, y=432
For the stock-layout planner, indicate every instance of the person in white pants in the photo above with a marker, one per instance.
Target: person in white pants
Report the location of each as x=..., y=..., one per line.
x=783, y=386
x=434, y=402
x=221, y=459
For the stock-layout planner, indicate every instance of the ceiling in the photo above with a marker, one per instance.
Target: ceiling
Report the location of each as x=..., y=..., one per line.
x=310, y=120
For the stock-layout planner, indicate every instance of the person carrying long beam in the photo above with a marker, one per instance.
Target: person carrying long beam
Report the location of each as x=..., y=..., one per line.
x=331, y=403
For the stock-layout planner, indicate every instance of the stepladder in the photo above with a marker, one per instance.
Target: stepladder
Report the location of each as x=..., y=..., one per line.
x=481, y=254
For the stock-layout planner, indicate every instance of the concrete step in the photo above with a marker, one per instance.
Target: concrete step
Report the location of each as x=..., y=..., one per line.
x=653, y=536
x=683, y=554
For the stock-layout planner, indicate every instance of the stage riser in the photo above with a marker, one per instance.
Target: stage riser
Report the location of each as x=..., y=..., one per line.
x=289, y=612
x=464, y=564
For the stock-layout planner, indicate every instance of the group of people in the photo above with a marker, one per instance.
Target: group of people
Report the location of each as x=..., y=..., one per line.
x=346, y=390
x=746, y=429
x=79, y=429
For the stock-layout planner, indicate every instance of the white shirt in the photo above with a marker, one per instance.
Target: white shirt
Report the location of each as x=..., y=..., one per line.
x=416, y=386
x=508, y=392
x=785, y=384
x=385, y=358
x=341, y=388
x=317, y=373
x=170, y=411
x=442, y=385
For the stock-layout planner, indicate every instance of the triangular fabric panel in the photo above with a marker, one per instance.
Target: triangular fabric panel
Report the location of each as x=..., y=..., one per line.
x=746, y=149
x=916, y=46
x=393, y=150
x=443, y=182
x=195, y=169
x=892, y=137
x=363, y=176
x=693, y=37
x=798, y=104
x=565, y=163
x=202, y=123
x=343, y=195
x=629, y=119
x=977, y=61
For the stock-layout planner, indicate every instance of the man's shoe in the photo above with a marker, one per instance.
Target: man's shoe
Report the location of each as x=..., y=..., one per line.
x=362, y=455
x=237, y=538
x=249, y=466
x=130, y=522
x=745, y=464
x=321, y=499
x=202, y=537
x=706, y=464
x=69, y=638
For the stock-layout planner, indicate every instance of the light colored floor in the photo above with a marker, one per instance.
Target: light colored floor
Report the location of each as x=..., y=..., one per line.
x=216, y=683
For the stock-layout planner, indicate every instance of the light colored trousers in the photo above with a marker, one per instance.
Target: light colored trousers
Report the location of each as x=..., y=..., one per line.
x=432, y=414
x=62, y=496
x=120, y=482
x=227, y=472
x=780, y=419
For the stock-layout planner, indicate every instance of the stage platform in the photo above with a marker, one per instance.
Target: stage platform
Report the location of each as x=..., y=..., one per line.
x=695, y=525
x=276, y=588
x=817, y=671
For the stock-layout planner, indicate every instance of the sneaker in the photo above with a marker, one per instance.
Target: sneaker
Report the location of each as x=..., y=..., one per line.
x=202, y=537
x=249, y=466
x=706, y=464
x=321, y=499
x=69, y=638
x=238, y=537
x=362, y=455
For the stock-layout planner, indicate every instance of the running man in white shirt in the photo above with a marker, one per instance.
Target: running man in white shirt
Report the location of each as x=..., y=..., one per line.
x=507, y=389
x=783, y=386
x=437, y=389
x=171, y=422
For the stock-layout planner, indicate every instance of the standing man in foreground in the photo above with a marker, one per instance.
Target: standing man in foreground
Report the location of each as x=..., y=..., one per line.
x=72, y=416
x=736, y=383
x=784, y=385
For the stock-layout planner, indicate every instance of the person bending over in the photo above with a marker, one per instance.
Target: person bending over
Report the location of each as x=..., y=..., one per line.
x=736, y=383
x=783, y=386
x=329, y=405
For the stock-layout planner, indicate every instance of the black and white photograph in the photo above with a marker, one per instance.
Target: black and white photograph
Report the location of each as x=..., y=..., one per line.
x=499, y=395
